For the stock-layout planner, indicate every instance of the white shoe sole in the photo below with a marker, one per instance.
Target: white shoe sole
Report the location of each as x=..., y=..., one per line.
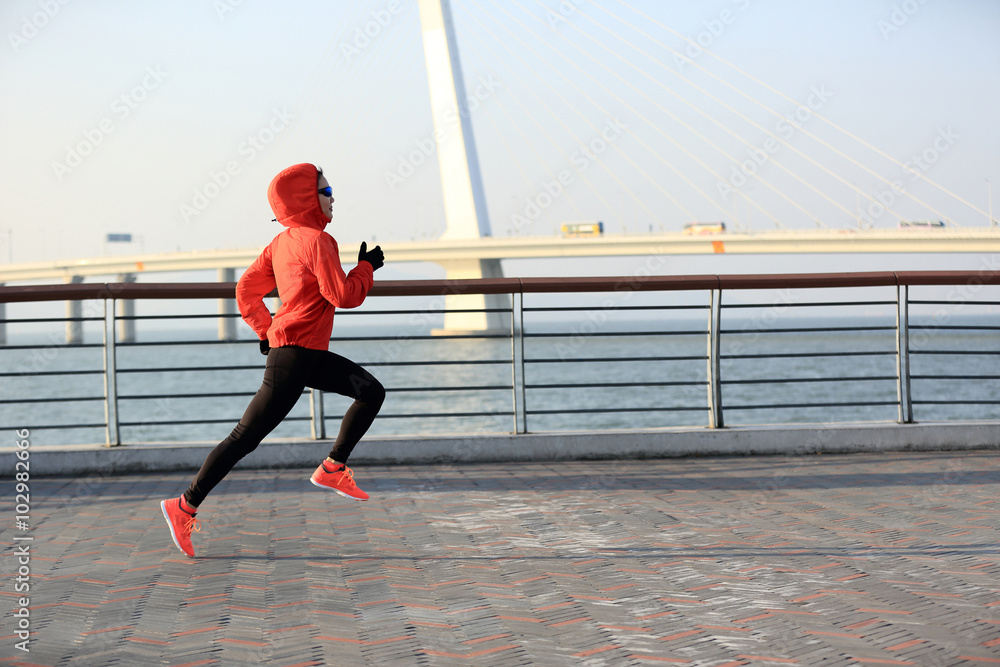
x=170, y=525
x=328, y=488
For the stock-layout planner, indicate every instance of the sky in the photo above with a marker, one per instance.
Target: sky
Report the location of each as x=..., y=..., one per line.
x=168, y=120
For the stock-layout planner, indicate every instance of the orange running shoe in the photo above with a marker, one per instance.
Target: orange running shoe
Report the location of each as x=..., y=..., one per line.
x=181, y=522
x=340, y=480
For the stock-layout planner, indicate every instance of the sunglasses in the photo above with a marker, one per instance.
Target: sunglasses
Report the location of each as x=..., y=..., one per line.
x=327, y=191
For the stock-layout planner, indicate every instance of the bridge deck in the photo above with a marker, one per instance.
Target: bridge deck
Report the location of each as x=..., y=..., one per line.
x=869, y=559
x=958, y=239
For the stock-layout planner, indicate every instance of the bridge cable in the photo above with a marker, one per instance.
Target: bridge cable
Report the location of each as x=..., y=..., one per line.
x=648, y=121
x=721, y=125
x=805, y=132
x=531, y=146
x=594, y=190
x=574, y=108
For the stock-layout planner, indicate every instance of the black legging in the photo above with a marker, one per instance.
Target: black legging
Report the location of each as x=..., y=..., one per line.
x=289, y=370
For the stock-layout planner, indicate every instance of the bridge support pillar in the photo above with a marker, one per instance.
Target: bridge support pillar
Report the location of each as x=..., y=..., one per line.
x=475, y=322
x=227, y=325
x=74, y=311
x=126, y=311
x=465, y=210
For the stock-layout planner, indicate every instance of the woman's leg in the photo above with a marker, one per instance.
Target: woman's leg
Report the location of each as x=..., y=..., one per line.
x=284, y=379
x=340, y=375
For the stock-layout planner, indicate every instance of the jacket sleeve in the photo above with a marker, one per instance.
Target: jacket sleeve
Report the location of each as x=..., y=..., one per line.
x=340, y=289
x=256, y=283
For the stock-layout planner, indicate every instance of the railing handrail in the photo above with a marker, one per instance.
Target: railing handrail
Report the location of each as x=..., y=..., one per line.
x=118, y=309
x=227, y=290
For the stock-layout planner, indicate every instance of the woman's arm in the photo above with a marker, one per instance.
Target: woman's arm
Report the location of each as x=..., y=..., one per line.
x=256, y=283
x=340, y=289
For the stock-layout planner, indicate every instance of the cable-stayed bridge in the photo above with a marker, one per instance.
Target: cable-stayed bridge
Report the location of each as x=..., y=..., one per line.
x=609, y=111
x=703, y=136
x=661, y=124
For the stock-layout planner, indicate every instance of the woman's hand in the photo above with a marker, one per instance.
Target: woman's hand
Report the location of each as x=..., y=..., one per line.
x=376, y=258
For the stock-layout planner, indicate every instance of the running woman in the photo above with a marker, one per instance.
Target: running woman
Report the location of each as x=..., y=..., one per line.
x=303, y=262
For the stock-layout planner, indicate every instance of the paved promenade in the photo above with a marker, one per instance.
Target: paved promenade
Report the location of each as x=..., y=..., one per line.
x=863, y=559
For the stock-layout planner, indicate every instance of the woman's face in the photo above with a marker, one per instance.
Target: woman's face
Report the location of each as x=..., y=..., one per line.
x=325, y=203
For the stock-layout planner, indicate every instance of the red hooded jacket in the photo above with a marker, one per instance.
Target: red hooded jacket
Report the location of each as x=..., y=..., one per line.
x=303, y=262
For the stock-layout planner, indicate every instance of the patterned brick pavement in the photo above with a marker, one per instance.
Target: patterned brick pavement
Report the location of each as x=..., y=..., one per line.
x=866, y=559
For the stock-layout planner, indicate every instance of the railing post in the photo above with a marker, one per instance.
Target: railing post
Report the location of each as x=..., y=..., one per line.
x=714, y=367
x=524, y=379
x=515, y=394
x=3, y=321
x=227, y=307
x=74, y=311
x=318, y=421
x=903, y=354
x=126, y=310
x=112, y=434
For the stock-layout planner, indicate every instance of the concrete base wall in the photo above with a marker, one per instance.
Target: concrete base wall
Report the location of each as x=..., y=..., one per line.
x=659, y=443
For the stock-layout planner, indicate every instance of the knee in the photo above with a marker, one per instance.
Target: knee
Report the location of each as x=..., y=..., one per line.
x=241, y=441
x=366, y=389
x=374, y=394
x=246, y=450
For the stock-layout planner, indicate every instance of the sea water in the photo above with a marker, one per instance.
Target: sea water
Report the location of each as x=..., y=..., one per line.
x=182, y=385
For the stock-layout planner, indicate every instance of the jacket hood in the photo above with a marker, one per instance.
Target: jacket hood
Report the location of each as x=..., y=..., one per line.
x=294, y=197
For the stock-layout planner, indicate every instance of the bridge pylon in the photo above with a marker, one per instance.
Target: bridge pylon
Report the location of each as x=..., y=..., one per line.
x=461, y=181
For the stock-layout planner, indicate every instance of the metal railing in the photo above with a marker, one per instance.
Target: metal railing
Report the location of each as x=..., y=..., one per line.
x=580, y=353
